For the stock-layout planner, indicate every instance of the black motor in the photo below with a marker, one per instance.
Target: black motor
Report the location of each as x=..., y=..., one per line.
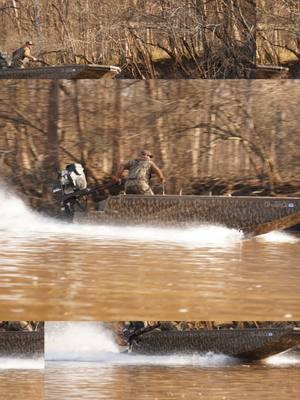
x=71, y=180
x=3, y=61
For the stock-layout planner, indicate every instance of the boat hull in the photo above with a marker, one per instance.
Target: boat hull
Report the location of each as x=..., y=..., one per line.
x=246, y=344
x=76, y=71
x=22, y=344
x=270, y=72
x=251, y=215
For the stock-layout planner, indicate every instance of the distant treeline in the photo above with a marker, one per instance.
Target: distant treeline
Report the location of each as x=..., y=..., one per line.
x=147, y=38
x=199, y=131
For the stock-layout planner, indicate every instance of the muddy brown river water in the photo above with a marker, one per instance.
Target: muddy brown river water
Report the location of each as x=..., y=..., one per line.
x=21, y=383
x=83, y=361
x=51, y=270
x=216, y=381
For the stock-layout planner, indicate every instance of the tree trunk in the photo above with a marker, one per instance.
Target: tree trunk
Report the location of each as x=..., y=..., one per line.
x=117, y=150
x=52, y=158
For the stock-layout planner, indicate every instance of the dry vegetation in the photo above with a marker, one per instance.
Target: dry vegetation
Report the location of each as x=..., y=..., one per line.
x=198, y=325
x=278, y=31
x=28, y=326
x=147, y=38
x=206, y=135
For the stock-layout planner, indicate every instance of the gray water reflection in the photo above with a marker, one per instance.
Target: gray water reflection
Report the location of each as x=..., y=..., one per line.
x=110, y=382
x=84, y=273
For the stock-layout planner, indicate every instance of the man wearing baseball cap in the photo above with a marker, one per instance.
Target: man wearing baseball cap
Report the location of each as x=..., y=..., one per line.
x=22, y=56
x=139, y=174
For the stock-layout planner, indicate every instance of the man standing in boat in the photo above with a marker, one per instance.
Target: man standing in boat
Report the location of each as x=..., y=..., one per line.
x=22, y=56
x=139, y=174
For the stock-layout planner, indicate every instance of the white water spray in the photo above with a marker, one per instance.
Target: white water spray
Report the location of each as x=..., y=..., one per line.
x=78, y=341
x=94, y=342
x=286, y=358
x=21, y=363
x=278, y=237
x=17, y=221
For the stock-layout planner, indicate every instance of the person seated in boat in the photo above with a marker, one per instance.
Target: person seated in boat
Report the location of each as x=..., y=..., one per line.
x=22, y=56
x=139, y=174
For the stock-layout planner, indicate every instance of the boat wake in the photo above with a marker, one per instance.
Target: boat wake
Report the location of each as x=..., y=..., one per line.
x=288, y=358
x=205, y=360
x=278, y=237
x=21, y=363
x=20, y=222
x=94, y=342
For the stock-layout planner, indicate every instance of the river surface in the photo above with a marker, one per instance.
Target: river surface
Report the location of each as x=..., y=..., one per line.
x=52, y=270
x=84, y=362
x=207, y=380
x=21, y=379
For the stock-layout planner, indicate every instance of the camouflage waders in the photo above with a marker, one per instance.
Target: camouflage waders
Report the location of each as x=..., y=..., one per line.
x=138, y=178
x=21, y=57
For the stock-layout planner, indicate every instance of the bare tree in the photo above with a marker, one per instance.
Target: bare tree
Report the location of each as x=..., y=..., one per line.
x=278, y=28
x=199, y=131
x=148, y=39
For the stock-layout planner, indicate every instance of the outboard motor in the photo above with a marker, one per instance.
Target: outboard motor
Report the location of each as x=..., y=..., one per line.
x=71, y=179
x=4, y=63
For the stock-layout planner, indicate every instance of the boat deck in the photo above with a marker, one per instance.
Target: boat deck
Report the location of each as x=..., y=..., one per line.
x=75, y=71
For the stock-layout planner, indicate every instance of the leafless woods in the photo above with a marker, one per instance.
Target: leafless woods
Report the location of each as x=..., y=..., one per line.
x=148, y=38
x=196, y=129
x=278, y=31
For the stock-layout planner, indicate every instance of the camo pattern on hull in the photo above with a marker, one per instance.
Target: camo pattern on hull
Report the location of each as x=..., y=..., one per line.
x=21, y=344
x=270, y=72
x=250, y=344
x=61, y=72
x=252, y=215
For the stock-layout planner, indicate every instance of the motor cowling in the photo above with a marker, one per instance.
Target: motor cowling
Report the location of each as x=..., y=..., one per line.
x=70, y=179
x=73, y=178
x=4, y=62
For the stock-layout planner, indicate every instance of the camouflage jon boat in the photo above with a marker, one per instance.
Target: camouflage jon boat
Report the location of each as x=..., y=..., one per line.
x=22, y=344
x=251, y=215
x=246, y=344
x=270, y=72
x=76, y=71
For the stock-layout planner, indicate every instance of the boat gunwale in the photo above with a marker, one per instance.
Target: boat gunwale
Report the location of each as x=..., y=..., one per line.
x=198, y=196
x=285, y=331
x=258, y=353
x=67, y=71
